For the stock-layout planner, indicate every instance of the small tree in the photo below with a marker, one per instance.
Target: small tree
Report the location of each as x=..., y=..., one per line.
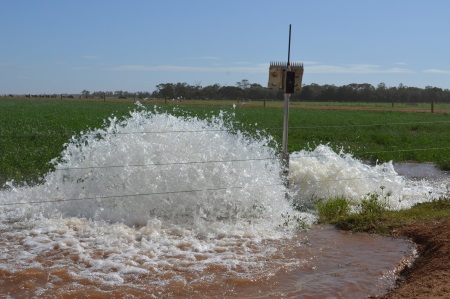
x=85, y=93
x=243, y=84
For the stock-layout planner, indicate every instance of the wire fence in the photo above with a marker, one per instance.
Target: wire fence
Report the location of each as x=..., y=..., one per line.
x=220, y=161
x=225, y=188
x=38, y=134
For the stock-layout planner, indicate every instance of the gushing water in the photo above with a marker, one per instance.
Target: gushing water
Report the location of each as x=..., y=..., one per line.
x=323, y=174
x=157, y=203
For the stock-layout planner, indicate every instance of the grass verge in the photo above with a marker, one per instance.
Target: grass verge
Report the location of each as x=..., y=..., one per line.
x=372, y=215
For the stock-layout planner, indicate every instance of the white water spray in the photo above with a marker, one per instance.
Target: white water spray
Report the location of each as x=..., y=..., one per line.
x=323, y=173
x=178, y=171
x=195, y=173
x=161, y=195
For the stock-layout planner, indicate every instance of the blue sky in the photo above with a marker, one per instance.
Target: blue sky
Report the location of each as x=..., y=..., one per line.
x=62, y=46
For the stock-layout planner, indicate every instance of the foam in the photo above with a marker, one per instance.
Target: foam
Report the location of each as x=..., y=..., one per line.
x=323, y=173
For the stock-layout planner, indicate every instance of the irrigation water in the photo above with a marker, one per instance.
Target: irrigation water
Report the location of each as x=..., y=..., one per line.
x=159, y=206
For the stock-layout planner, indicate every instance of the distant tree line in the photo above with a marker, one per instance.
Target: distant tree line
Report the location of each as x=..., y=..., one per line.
x=368, y=93
x=244, y=90
x=115, y=94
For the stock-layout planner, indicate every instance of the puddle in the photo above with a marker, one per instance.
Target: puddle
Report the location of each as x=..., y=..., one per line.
x=420, y=171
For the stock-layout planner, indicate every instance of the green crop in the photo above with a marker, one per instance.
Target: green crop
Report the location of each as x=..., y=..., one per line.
x=32, y=132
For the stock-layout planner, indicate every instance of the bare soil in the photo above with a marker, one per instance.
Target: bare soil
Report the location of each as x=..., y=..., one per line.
x=429, y=275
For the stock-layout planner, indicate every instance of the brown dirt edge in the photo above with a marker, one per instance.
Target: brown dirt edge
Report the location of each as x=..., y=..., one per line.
x=429, y=275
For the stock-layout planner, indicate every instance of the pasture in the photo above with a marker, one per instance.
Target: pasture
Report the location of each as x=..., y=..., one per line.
x=32, y=132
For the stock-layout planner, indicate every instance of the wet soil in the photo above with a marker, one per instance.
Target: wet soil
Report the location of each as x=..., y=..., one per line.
x=429, y=275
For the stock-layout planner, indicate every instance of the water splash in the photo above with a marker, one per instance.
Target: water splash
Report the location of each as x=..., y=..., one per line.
x=167, y=199
x=194, y=173
x=180, y=171
x=323, y=173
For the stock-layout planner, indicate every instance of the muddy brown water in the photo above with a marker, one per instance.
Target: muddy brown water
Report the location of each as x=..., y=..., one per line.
x=320, y=263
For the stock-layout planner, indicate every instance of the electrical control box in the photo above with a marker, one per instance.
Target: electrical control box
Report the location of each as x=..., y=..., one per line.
x=285, y=79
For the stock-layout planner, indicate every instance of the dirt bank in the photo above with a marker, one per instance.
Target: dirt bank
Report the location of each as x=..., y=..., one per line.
x=429, y=276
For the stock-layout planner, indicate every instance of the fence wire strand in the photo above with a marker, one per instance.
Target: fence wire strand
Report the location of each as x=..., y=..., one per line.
x=101, y=134
x=58, y=200
x=225, y=130
x=100, y=197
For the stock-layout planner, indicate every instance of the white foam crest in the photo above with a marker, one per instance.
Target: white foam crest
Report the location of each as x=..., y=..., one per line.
x=183, y=171
x=323, y=174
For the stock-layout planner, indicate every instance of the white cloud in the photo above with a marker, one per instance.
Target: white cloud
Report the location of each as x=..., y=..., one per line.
x=436, y=71
x=310, y=62
x=354, y=69
x=242, y=67
x=204, y=58
x=205, y=69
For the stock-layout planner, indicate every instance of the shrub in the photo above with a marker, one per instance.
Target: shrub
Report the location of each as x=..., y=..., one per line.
x=333, y=209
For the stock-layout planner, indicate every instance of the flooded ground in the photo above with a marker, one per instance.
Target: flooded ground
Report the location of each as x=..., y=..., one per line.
x=320, y=263
x=420, y=171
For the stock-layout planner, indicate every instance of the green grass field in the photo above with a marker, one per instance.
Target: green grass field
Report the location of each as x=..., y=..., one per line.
x=32, y=132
